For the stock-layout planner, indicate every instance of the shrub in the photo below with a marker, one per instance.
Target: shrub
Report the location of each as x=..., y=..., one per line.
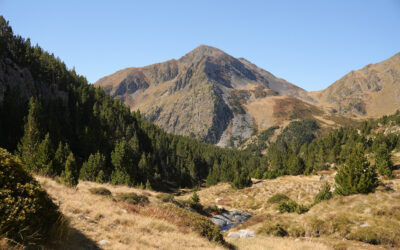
x=133, y=198
x=27, y=214
x=324, y=194
x=278, y=198
x=194, y=203
x=100, y=191
x=165, y=197
x=291, y=206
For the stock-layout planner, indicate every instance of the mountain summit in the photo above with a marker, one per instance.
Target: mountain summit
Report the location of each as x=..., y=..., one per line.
x=206, y=93
x=224, y=100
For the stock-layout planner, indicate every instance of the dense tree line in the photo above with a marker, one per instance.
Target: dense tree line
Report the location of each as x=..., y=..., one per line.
x=81, y=132
x=78, y=131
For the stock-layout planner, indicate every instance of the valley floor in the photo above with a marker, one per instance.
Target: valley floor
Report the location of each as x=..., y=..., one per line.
x=339, y=223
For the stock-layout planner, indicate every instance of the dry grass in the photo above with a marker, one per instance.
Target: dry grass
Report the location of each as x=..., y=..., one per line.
x=264, y=243
x=101, y=219
x=353, y=218
x=159, y=225
x=253, y=199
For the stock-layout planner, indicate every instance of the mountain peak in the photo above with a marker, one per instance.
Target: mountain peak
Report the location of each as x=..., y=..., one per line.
x=201, y=52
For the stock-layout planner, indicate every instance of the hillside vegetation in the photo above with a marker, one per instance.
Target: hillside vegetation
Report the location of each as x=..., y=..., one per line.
x=27, y=214
x=62, y=126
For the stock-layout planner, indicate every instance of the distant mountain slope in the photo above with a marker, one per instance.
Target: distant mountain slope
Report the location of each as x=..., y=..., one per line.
x=206, y=93
x=372, y=91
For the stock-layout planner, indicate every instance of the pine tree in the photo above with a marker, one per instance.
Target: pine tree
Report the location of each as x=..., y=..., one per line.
x=356, y=175
x=60, y=157
x=70, y=174
x=122, y=159
x=296, y=165
x=28, y=147
x=143, y=166
x=148, y=185
x=92, y=167
x=383, y=161
x=44, y=157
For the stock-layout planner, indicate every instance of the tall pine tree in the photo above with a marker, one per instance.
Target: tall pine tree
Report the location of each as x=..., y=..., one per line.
x=28, y=147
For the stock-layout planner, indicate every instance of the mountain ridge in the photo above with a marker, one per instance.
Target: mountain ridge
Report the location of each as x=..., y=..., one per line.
x=224, y=100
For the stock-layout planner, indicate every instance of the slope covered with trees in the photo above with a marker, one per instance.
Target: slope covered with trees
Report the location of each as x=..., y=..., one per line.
x=61, y=126
x=69, y=124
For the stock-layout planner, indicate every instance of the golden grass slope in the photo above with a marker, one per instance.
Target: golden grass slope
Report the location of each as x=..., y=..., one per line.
x=111, y=226
x=350, y=222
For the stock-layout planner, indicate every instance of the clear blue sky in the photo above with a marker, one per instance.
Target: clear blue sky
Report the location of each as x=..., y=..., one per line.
x=309, y=43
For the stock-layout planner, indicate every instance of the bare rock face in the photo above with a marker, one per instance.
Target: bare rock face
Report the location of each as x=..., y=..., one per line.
x=223, y=100
x=203, y=94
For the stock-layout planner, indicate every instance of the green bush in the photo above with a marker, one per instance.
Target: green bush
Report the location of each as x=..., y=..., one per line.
x=194, y=202
x=165, y=197
x=100, y=191
x=277, y=198
x=199, y=224
x=27, y=214
x=291, y=206
x=324, y=194
x=133, y=198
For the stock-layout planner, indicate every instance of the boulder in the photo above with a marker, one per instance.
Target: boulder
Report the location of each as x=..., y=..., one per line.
x=244, y=233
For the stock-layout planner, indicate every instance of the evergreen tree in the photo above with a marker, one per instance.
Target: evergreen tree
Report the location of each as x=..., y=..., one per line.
x=28, y=147
x=212, y=178
x=122, y=159
x=44, y=157
x=356, y=175
x=91, y=168
x=195, y=198
x=295, y=165
x=60, y=157
x=70, y=174
x=383, y=161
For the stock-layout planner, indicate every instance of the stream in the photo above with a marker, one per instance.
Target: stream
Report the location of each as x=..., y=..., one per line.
x=229, y=219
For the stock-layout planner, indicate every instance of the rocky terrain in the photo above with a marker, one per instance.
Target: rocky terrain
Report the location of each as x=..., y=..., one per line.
x=224, y=100
x=372, y=91
x=206, y=94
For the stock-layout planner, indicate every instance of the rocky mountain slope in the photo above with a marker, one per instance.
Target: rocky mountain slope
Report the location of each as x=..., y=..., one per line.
x=208, y=94
x=372, y=91
x=224, y=100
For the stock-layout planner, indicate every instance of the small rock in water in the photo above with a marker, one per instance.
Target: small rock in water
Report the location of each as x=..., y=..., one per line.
x=103, y=242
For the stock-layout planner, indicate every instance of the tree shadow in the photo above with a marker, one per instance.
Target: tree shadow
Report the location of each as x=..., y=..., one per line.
x=77, y=241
